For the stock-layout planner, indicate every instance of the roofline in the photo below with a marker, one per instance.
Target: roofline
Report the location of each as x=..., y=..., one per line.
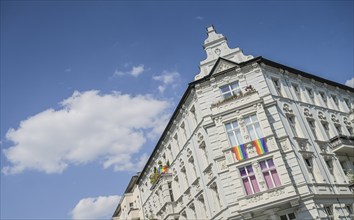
x=306, y=75
x=170, y=122
x=258, y=59
x=130, y=186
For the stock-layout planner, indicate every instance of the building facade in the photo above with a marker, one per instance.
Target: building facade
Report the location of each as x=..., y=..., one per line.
x=130, y=204
x=252, y=139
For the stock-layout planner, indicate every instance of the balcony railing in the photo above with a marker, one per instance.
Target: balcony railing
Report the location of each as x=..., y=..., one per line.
x=248, y=91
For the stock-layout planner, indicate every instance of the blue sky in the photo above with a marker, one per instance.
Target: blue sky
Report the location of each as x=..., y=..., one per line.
x=87, y=86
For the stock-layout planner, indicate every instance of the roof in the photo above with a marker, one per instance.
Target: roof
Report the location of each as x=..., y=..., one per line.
x=256, y=59
x=129, y=189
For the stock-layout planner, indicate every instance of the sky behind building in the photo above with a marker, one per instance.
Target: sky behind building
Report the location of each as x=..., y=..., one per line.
x=88, y=86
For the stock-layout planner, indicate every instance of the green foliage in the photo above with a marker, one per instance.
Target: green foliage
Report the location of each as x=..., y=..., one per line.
x=154, y=177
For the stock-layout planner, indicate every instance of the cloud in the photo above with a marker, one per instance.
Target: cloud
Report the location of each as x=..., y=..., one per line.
x=350, y=82
x=135, y=71
x=167, y=79
x=199, y=18
x=101, y=207
x=89, y=127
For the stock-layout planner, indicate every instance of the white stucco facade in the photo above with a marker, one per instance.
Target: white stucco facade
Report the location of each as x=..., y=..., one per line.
x=253, y=139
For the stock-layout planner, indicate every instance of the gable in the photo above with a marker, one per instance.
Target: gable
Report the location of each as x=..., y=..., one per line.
x=221, y=65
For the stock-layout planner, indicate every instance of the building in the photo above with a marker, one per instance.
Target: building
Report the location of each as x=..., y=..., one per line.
x=130, y=204
x=253, y=139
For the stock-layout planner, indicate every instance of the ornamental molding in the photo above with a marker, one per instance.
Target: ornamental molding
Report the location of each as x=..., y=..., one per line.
x=200, y=138
x=335, y=119
x=308, y=114
x=322, y=117
x=287, y=110
x=346, y=122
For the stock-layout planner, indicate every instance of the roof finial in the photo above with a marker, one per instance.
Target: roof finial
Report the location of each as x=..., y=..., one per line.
x=210, y=29
x=216, y=46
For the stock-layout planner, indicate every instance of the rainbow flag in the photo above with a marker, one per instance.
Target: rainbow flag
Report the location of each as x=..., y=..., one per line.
x=240, y=152
x=162, y=169
x=260, y=145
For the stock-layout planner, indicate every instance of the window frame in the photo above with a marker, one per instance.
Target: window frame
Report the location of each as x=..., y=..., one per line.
x=231, y=90
x=323, y=97
x=254, y=129
x=335, y=100
x=277, y=86
x=296, y=89
x=292, y=122
x=269, y=170
x=311, y=94
x=233, y=130
x=249, y=176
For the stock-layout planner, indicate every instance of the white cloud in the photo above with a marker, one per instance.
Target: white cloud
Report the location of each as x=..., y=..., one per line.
x=350, y=82
x=135, y=71
x=199, y=18
x=101, y=207
x=167, y=79
x=89, y=127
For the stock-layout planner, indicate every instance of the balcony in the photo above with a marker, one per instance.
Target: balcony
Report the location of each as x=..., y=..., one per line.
x=343, y=144
x=236, y=101
x=134, y=213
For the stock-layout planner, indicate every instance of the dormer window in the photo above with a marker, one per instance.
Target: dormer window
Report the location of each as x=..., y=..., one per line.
x=335, y=100
x=323, y=97
x=326, y=128
x=297, y=91
x=338, y=129
x=277, y=86
x=230, y=89
x=347, y=102
x=310, y=93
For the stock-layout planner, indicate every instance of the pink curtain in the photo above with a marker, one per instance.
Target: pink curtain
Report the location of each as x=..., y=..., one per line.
x=247, y=186
x=268, y=180
x=254, y=184
x=276, y=178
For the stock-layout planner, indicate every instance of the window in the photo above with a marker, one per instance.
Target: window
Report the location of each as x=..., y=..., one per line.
x=131, y=205
x=328, y=210
x=347, y=103
x=310, y=93
x=326, y=128
x=323, y=97
x=335, y=100
x=289, y=216
x=349, y=209
x=234, y=133
x=194, y=114
x=169, y=184
x=292, y=124
x=277, y=86
x=343, y=164
x=249, y=180
x=297, y=91
x=253, y=127
x=338, y=129
x=270, y=173
x=330, y=165
x=313, y=128
x=216, y=197
x=308, y=163
x=230, y=90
